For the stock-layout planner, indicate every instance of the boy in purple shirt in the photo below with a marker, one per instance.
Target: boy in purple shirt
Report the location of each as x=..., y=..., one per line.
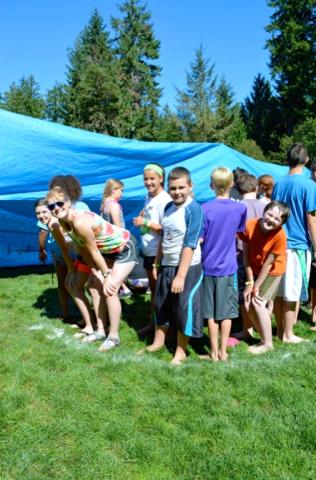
x=223, y=218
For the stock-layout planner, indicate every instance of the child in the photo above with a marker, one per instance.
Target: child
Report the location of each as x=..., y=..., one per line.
x=223, y=218
x=111, y=209
x=265, y=263
x=178, y=295
x=149, y=222
x=246, y=184
x=312, y=278
x=112, y=212
x=100, y=244
x=265, y=188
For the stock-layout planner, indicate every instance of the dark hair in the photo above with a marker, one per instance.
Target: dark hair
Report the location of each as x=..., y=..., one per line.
x=246, y=183
x=313, y=165
x=69, y=184
x=40, y=202
x=237, y=172
x=284, y=209
x=297, y=155
x=179, y=172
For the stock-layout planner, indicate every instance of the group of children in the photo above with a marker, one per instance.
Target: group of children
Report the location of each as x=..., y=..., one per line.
x=192, y=255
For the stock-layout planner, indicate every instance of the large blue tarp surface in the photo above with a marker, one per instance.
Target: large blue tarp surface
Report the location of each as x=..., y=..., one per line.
x=32, y=151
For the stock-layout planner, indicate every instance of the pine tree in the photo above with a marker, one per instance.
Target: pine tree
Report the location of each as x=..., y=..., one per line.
x=196, y=102
x=226, y=112
x=167, y=128
x=292, y=49
x=91, y=92
x=24, y=98
x=56, y=99
x=137, y=49
x=261, y=115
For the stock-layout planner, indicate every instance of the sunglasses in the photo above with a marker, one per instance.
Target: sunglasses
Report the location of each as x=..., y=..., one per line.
x=52, y=206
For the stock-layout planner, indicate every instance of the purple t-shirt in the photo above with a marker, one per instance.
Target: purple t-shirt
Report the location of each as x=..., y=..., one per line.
x=223, y=218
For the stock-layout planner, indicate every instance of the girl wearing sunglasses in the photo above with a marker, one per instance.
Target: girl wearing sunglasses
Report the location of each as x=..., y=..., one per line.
x=107, y=249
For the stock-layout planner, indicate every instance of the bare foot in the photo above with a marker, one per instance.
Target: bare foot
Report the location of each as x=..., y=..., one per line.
x=258, y=349
x=154, y=347
x=223, y=356
x=178, y=360
x=211, y=357
x=294, y=339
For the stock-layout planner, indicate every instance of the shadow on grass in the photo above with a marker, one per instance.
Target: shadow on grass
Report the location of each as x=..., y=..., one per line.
x=14, y=272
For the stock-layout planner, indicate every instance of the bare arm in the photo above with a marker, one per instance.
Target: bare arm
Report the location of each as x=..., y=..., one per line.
x=60, y=239
x=42, y=236
x=177, y=285
x=249, y=276
x=311, y=225
x=115, y=212
x=157, y=259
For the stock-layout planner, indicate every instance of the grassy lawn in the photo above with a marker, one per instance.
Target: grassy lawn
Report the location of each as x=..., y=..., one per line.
x=70, y=412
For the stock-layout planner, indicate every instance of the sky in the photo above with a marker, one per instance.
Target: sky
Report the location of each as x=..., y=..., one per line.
x=35, y=36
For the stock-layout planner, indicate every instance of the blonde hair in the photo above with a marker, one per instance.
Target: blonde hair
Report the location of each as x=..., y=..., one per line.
x=57, y=193
x=222, y=179
x=111, y=185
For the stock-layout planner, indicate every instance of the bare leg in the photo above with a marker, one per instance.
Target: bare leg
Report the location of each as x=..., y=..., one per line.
x=225, y=331
x=99, y=303
x=180, y=353
x=63, y=295
x=278, y=309
x=265, y=328
x=80, y=299
x=119, y=273
x=313, y=301
x=151, y=324
x=159, y=340
x=290, y=315
x=213, y=333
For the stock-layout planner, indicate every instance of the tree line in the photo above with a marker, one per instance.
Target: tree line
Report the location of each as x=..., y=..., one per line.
x=112, y=87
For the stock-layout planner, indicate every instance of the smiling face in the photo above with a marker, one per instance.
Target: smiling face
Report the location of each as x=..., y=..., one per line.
x=272, y=219
x=59, y=206
x=153, y=182
x=43, y=214
x=179, y=190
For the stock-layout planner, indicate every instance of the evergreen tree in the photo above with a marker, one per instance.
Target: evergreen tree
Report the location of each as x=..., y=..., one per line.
x=137, y=49
x=196, y=102
x=292, y=49
x=167, y=128
x=90, y=99
x=260, y=114
x=226, y=112
x=24, y=98
x=56, y=99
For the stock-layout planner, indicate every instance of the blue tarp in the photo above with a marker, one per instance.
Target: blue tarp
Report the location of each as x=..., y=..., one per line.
x=32, y=151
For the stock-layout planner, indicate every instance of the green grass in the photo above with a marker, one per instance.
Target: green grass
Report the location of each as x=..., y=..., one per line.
x=70, y=412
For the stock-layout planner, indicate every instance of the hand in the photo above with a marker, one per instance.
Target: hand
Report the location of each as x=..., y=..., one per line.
x=177, y=285
x=155, y=273
x=109, y=287
x=138, y=221
x=42, y=255
x=256, y=299
x=247, y=296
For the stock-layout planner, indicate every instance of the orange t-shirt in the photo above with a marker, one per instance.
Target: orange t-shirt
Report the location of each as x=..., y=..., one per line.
x=260, y=245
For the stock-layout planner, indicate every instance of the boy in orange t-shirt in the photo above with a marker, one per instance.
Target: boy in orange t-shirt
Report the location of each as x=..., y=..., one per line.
x=264, y=247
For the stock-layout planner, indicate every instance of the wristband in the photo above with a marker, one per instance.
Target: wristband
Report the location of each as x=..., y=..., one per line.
x=106, y=274
x=147, y=223
x=251, y=282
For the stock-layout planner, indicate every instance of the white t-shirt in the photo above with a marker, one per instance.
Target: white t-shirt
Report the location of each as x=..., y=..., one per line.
x=153, y=212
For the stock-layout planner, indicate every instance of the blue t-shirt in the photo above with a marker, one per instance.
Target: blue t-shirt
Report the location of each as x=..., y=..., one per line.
x=299, y=193
x=223, y=218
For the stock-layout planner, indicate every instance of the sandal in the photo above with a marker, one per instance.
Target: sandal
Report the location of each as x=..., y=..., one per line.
x=82, y=334
x=109, y=344
x=93, y=337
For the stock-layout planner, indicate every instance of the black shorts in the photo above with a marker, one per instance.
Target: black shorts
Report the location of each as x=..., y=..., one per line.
x=148, y=262
x=312, y=277
x=182, y=310
x=127, y=255
x=220, y=297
